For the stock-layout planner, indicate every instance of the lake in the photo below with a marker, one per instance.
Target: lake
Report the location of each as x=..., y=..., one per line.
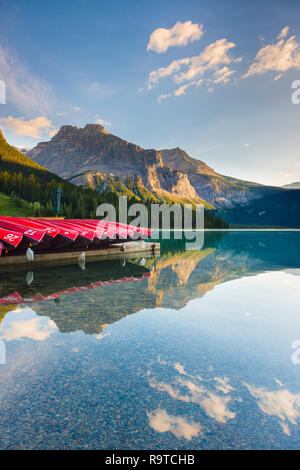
x=194, y=349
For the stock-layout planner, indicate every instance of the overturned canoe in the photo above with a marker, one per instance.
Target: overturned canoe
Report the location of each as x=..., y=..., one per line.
x=17, y=234
x=34, y=236
x=10, y=239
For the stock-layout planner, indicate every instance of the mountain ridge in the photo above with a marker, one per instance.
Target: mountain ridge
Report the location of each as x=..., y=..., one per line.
x=295, y=185
x=91, y=156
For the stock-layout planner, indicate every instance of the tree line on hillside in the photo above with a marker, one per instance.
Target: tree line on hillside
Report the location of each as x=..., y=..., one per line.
x=77, y=202
x=9, y=154
x=32, y=186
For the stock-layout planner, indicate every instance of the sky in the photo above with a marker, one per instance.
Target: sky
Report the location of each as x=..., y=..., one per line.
x=211, y=77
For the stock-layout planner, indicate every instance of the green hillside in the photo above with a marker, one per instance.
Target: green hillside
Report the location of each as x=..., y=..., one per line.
x=8, y=207
x=10, y=155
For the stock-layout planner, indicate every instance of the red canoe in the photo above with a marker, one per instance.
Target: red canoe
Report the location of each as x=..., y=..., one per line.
x=102, y=231
x=51, y=231
x=10, y=238
x=85, y=235
x=129, y=229
x=61, y=238
x=34, y=236
x=112, y=230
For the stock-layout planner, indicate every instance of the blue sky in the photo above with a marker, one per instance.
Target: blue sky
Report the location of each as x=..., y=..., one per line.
x=81, y=62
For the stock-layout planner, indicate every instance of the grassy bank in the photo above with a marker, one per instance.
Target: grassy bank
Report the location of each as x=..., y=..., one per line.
x=8, y=208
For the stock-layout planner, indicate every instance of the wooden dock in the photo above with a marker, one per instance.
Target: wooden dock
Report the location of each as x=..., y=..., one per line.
x=119, y=250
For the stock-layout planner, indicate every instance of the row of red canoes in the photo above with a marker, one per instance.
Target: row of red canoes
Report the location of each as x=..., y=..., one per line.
x=17, y=234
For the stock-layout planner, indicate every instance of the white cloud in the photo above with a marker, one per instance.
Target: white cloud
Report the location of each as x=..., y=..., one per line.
x=77, y=108
x=161, y=422
x=280, y=403
x=61, y=114
x=190, y=69
x=180, y=368
x=279, y=57
x=278, y=76
x=179, y=35
x=32, y=128
x=209, y=60
x=102, y=122
x=163, y=97
x=28, y=92
x=215, y=406
x=24, y=323
x=223, y=75
x=53, y=132
x=223, y=385
x=95, y=84
x=163, y=72
x=190, y=389
x=283, y=33
x=181, y=90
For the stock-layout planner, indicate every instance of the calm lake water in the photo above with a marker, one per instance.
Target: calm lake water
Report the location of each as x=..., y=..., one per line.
x=195, y=349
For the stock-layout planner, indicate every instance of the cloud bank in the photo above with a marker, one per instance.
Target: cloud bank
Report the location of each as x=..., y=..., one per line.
x=279, y=57
x=214, y=64
x=34, y=128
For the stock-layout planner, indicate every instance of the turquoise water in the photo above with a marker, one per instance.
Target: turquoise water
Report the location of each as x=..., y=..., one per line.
x=197, y=350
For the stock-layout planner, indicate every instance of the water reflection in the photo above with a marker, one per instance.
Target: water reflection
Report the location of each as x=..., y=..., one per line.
x=24, y=323
x=280, y=403
x=179, y=426
x=193, y=390
x=189, y=388
x=188, y=350
x=172, y=280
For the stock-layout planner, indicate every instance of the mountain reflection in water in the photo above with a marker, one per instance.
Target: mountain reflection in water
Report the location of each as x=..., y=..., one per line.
x=200, y=359
x=175, y=278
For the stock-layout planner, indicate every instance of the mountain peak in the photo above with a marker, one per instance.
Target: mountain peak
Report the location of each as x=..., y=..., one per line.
x=65, y=131
x=74, y=150
x=88, y=130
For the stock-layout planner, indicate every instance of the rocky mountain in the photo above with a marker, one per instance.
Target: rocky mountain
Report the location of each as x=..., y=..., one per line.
x=221, y=191
x=292, y=185
x=93, y=157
